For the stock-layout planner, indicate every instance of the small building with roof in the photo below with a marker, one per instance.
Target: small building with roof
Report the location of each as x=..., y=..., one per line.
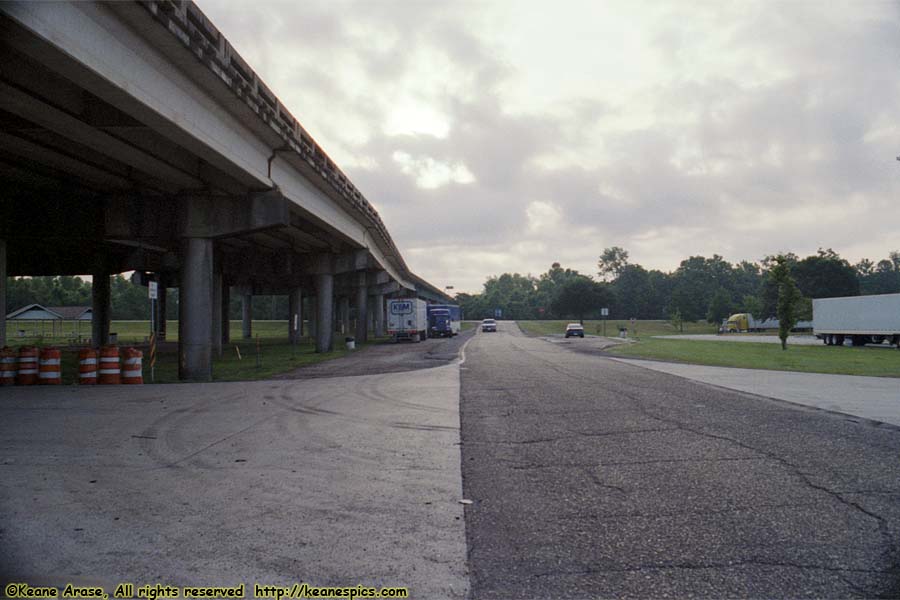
x=32, y=320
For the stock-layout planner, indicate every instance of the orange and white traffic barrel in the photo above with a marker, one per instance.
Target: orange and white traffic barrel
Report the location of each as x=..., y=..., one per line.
x=7, y=366
x=27, y=373
x=132, y=369
x=49, y=366
x=87, y=366
x=109, y=365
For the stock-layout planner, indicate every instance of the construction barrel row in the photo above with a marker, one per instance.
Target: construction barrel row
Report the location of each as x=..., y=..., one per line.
x=32, y=366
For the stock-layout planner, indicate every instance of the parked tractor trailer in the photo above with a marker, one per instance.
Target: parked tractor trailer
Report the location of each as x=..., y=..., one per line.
x=407, y=319
x=443, y=320
x=861, y=319
x=745, y=322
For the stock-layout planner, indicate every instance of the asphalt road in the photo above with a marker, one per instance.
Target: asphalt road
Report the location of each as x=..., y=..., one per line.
x=388, y=357
x=592, y=478
x=334, y=482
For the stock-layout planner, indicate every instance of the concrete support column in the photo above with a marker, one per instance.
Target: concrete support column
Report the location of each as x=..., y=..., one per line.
x=226, y=309
x=216, y=330
x=295, y=314
x=3, y=288
x=247, y=316
x=379, y=315
x=345, y=315
x=161, y=312
x=100, y=307
x=362, y=309
x=324, y=316
x=195, y=314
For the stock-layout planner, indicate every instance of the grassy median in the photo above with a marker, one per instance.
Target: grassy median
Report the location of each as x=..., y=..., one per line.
x=237, y=363
x=639, y=329
x=877, y=362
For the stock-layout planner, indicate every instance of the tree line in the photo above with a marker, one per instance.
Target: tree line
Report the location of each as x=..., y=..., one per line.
x=700, y=288
x=129, y=302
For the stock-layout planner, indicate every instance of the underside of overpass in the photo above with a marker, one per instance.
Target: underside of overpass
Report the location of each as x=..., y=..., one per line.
x=133, y=137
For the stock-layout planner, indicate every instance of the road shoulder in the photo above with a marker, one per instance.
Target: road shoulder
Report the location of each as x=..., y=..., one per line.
x=873, y=398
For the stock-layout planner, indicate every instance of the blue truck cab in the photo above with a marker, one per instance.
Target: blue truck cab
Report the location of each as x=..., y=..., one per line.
x=443, y=320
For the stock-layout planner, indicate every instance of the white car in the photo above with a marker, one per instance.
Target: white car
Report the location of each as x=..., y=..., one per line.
x=489, y=325
x=573, y=329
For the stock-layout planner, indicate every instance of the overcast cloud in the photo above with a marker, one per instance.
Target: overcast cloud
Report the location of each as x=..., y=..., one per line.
x=505, y=136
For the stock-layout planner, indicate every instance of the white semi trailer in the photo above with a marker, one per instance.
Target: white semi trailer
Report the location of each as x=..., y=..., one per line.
x=861, y=319
x=407, y=319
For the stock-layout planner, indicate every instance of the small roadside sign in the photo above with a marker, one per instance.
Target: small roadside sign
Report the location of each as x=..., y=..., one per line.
x=153, y=290
x=604, y=312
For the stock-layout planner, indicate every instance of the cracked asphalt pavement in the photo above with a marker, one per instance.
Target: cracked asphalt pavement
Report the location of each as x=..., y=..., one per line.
x=592, y=478
x=387, y=357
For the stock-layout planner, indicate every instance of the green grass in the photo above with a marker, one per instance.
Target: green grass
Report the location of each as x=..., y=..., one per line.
x=276, y=354
x=878, y=362
x=640, y=329
x=128, y=332
x=466, y=325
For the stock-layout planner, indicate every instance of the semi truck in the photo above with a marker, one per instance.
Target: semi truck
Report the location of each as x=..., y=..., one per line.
x=407, y=319
x=745, y=322
x=861, y=319
x=443, y=320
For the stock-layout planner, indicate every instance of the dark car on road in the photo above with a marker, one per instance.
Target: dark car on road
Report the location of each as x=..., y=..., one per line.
x=574, y=329
x=489, y=325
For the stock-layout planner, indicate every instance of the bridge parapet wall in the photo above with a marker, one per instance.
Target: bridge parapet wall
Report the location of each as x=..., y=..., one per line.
x=189, y=26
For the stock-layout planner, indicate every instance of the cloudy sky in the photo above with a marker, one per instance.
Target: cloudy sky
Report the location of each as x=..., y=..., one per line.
x=505, y=136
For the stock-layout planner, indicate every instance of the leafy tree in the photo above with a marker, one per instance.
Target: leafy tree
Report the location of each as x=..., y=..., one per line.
x=751, y=304
x=746, y=279
x=695, y=282
x=768, y=289
x=677, y=320
x=719, y=307
x=634, y=293
x=548, y=284
x=47, y=291
x=882, y=278
x=864, y=268
x=612, y=261
x=128, y=301
x=825, y=275
x=661, y=288
x=579, y=297
x=789, y=299
x=512, y=293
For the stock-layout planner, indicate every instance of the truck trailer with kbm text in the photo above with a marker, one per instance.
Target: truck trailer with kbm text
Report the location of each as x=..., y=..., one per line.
x=407, y=319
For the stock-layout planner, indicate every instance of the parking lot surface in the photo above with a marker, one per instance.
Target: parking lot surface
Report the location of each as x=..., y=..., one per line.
x=341, y=481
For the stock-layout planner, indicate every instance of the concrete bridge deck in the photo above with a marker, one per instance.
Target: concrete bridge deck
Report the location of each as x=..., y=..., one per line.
x=134, y=137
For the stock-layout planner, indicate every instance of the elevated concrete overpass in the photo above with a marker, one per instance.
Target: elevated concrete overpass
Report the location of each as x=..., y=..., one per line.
x=134, y=137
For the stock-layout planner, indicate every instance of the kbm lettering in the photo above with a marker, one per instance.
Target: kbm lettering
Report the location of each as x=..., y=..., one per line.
x=23, y=590
x=401, y=308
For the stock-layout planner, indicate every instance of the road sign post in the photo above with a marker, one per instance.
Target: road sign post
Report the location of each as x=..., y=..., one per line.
x=604, y=312
x=153, y=293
